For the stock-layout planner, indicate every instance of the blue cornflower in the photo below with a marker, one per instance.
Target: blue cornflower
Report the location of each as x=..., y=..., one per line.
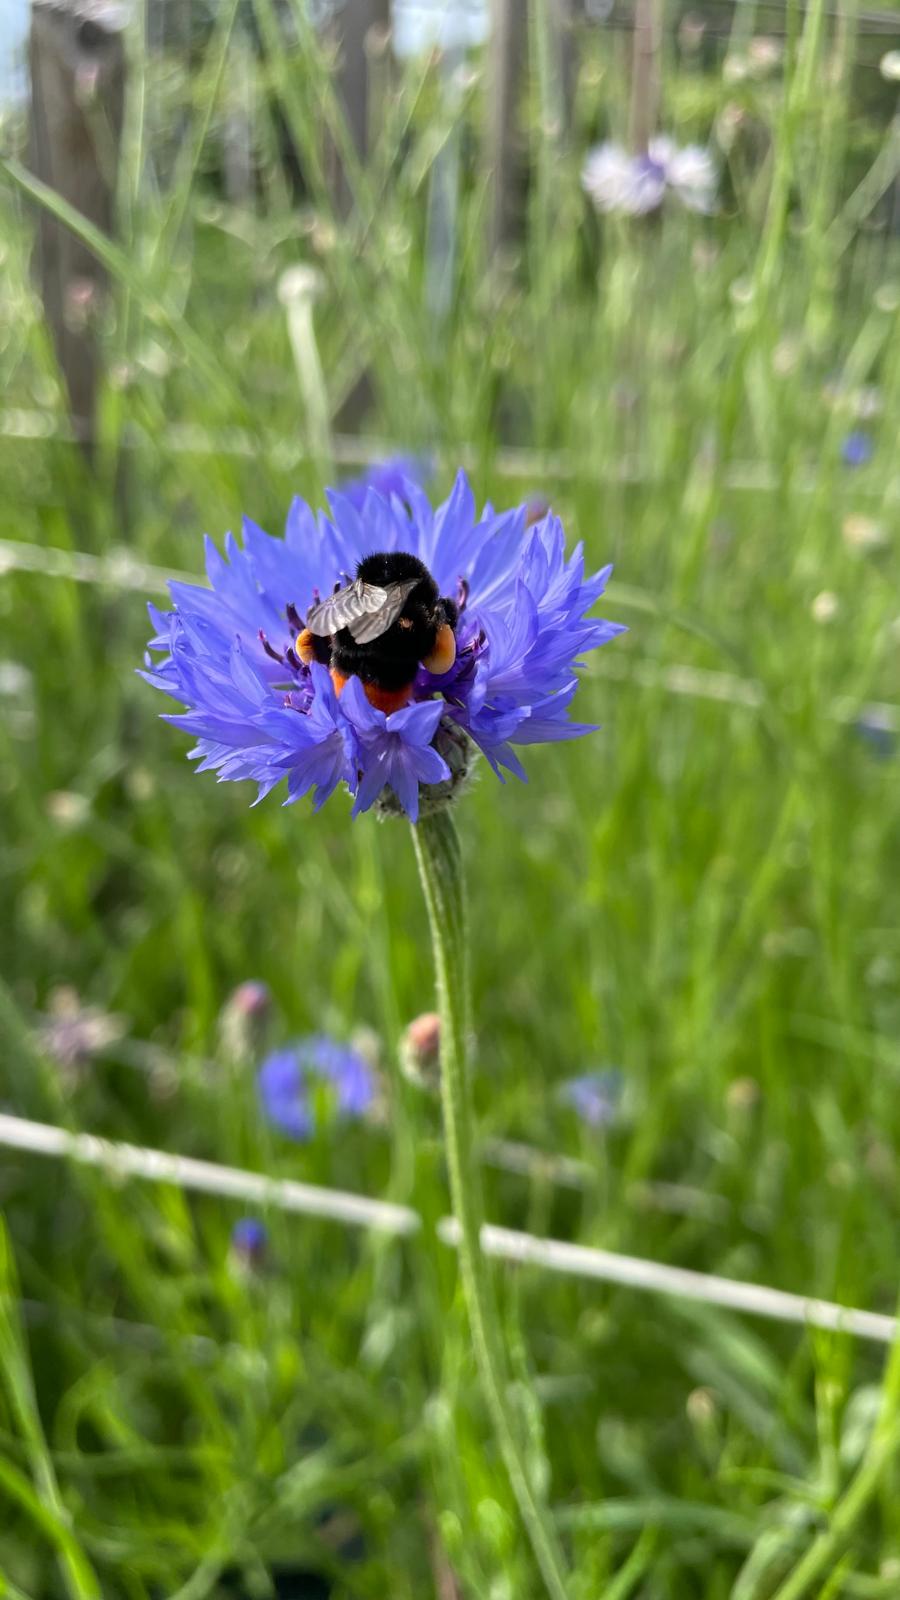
x=595, y=1097
x=875, y=727
x=287, y=1083
x=258, y=711
x=857, y=449
x=635, y=185
x=386, y=478
x=249, y=1242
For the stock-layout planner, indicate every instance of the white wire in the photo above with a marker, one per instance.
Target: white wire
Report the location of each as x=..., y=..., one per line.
x=352, y=450
x=584, y=1261
x=120, y=1161
x=121, y=570
x=208, y=1177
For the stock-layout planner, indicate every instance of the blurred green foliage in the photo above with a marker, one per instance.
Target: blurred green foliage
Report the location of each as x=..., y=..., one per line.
x=704, y=893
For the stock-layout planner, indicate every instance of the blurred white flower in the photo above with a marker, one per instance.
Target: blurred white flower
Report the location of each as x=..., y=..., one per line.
x=889, y=66
x=637, y=184
x=72, y=1034
x=607, y=178
x=863, y=533
x=735, y=69
x=764, y=54
x=692, y=173
x=67, y=809
x=825, y=607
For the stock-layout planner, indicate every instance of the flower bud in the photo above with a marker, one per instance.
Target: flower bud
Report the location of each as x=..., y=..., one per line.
x=455, y=746
x=244, y=1020
x=420, y=1051
x=704, y=1416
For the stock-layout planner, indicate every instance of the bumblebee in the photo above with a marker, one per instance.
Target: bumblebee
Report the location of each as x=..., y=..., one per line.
x=380, y=628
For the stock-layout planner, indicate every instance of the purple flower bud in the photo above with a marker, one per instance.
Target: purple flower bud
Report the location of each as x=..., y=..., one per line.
x=252, y=998
x=244, y=1021
x=536, y=509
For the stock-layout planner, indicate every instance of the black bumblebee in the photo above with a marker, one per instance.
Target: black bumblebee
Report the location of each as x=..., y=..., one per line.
x=381, y=628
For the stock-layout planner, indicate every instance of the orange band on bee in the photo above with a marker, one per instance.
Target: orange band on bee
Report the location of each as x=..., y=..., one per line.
x=443, y=655
x=386, y=700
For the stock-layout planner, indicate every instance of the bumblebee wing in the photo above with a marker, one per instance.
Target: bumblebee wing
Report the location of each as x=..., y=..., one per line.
x=373, y=623
x=356, y=602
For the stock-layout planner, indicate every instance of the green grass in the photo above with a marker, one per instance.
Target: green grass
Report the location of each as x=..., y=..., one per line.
x=704, y=893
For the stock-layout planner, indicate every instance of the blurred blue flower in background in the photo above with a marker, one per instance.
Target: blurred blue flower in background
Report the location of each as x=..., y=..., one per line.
x=288, y=1078
x=616, y=180
x=595, y=1097
x=877, y=730
x=386, y=478
x=258, y=712
x=857, y=449
x=249, y=1242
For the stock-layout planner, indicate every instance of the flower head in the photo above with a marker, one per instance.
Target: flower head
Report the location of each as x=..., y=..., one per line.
x=249, y=1243
x=595, y=1097
x=73, y=1035
x=858, y=448
x=288, y=1078
x=518, y=627
x=386, y=478
x=877, y=728
x=615, y=180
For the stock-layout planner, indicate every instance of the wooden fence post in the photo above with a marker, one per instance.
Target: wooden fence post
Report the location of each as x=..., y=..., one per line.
x=77, y=61
x=506, y=58
x=348, y=31
x=645, y=73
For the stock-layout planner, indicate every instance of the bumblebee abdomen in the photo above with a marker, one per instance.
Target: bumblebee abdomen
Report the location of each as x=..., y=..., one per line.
x=386, y=700
x=382, y=663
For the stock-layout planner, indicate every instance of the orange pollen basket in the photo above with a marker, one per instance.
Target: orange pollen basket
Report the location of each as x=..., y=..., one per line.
x=443, y=655
x=304, y=647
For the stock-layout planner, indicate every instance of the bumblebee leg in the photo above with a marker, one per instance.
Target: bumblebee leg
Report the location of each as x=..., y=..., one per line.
x=443, y=655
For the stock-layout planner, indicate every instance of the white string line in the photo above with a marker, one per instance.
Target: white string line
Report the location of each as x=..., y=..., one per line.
x=351, y=450
x=122, y=570
x=119, y=569
x=585, y=1261
x=119, y=1161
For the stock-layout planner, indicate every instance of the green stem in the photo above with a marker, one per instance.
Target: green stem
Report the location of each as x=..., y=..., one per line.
x=440, y=868
x=822, y=1555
